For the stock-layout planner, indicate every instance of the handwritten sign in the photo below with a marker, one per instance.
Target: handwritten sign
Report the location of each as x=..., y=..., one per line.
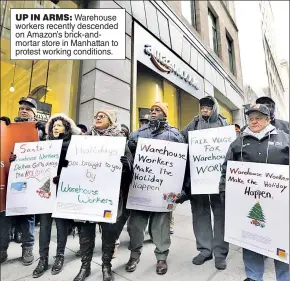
x=89, y=187
x=257, y=208
x=15, y=132
x=159, y=168
x=207, y=151
x=30, y=189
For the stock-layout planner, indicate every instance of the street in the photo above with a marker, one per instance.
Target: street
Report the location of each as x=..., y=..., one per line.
x=180, y=267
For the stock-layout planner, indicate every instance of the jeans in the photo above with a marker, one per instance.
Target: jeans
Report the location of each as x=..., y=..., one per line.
x=254, y=267
x=25, y=224
x=62, y=226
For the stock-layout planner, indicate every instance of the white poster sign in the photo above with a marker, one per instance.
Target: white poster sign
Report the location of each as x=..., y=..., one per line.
x=257, y=208
x=159, y=168
x=89, y=187
x=30, y=189
x=207, y=151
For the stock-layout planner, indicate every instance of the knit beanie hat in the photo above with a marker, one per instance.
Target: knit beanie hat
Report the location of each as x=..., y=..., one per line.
x=163, y=106
x=206, y=102
x=112, y=115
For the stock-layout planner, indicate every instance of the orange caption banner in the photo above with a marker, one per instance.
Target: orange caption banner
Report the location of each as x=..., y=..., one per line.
x=14, y=133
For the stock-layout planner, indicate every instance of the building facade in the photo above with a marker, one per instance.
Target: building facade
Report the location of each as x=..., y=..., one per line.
x=176, y=52
x=260, y=63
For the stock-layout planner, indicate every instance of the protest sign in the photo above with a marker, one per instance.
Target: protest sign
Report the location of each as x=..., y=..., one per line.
x=159, y=168
x=257, y=208
x=89, y=187
x=11, y=134
x=207, y=151
x=30, y=189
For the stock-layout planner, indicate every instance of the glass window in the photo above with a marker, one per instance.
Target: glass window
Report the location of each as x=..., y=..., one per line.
x=230, y=45
x=188, y=10
x=213, y=39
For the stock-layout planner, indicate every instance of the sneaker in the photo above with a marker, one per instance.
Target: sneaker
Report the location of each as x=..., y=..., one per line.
x=220, y=263
x=3, y=256
x=200, y=259
x=41, y=267
x=58, y=265
x=27, y=256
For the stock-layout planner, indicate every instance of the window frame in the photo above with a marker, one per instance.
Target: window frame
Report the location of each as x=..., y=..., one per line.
x=193, y=21
x=214, y=27
x=231, y=53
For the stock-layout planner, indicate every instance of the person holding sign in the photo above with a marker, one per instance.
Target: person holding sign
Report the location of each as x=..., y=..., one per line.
x=260, y=142
x=208, y=241
x=58, y=127
x=158, y=128
x=105, y=125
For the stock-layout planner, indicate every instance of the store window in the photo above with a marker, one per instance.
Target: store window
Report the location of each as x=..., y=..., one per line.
x=53, y=83
x=225, y=112
x=213, y=37
x=188, y=10
x=151, y=88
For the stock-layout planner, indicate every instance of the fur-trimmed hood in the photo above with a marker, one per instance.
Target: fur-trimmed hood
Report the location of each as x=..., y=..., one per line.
x=74, y=129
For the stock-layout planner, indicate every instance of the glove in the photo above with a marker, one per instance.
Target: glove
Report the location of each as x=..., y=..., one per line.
x=6, y=120
x=65, y=163
x=223, y=197
x=55, y=180
x=182, y=198
x=125, y=161
x=12, y=157
x=40, y=126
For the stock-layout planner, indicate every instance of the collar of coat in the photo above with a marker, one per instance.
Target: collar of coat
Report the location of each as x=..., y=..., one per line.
x=269, y=130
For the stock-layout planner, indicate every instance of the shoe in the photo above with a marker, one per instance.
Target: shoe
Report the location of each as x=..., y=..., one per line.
x=58, y=265
x=200, y=259
x=41, y=267
x=132, y=264
x=3, y=256
x=83, y=274
x=18, y=237
x=107, y=272
x=115, y=252
x=161, y=267
x=27, y=256
x=78, y=253
x=220, y=263
x=171, y=230
x=249, y=279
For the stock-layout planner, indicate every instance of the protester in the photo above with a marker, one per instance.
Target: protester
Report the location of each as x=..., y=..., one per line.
x=237, y=129
x=105, y=125
x=125, y=131
x=26, y=113
x=260, y=142
x=157, y=128
x=209, y=240
x=144, y=120
x=83, y=128
x=58, y=127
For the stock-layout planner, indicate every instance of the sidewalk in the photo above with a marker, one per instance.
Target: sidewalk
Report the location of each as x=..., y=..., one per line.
x=180, y=267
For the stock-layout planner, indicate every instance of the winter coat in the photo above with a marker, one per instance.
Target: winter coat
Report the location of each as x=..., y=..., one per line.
x=273, y=148
x=160, y=130
x=198, y=123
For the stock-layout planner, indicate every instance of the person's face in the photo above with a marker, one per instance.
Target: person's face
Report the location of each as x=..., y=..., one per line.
x=25, y=111
x=258, y=122
x=156, y=113
x=58, y=128
x=144, y=122
x=102, y=121
x=205, y=110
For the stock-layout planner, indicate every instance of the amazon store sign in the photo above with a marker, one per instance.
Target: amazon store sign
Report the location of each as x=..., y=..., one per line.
x=164, y=64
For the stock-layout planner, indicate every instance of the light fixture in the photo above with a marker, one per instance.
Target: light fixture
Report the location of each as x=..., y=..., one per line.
x=12, y=89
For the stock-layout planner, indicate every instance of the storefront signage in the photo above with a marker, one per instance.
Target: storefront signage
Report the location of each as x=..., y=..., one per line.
x=152, y=53
x=165, y=65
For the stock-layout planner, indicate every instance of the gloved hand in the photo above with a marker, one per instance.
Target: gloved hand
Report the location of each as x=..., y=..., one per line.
x=12, y=157
x=40, y=126
x=55, y=180
x=126, y=163
x=6, y=120
x=65, y=163
x=182, y=198
x=223, y=197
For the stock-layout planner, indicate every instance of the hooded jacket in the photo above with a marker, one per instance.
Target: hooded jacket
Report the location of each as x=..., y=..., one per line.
x=199, y=123
x=155, y=129
x=272, y=148
x=66, y=137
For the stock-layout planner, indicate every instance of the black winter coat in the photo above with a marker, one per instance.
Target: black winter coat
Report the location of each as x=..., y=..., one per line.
x=273, y=148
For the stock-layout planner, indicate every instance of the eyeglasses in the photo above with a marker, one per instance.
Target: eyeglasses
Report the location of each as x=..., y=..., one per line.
x=156, y=109
x=100, y=116
x=206, y=107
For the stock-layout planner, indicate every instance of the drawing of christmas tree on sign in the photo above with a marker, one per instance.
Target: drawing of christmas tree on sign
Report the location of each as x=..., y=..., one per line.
x=257, y=215
x=44, y=191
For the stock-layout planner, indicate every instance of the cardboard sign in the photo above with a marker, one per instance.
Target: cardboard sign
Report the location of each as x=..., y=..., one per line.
x=159, y=168
x=207, y=152
x=89, y=187
x=257, y=208
x=30, y=189
x=14, y=133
